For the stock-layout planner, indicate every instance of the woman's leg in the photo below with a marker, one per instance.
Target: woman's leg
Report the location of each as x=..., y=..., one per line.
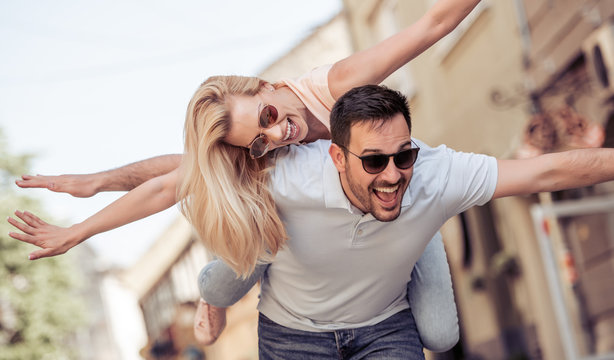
x=432, y=300
x=219, y=285
x=219, y=288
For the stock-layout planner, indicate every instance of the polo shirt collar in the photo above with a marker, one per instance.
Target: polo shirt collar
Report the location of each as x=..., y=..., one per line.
x=334, y=197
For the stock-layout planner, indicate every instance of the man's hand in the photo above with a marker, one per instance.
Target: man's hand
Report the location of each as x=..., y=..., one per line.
x=124, y=178
x=75, y=185
x=53, y=240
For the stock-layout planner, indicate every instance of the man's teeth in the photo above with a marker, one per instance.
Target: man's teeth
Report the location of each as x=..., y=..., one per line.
x=387, y=189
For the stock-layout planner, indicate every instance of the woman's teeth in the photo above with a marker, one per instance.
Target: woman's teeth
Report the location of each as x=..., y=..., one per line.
x=291, y=130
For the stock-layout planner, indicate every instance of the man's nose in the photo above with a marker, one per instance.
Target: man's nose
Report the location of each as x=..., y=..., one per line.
x=391, y=173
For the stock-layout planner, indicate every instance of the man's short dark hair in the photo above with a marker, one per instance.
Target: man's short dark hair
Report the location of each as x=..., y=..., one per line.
x=374, y=104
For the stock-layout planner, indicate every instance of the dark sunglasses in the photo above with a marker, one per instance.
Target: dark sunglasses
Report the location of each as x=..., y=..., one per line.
x=376, y=163
x=260, y=145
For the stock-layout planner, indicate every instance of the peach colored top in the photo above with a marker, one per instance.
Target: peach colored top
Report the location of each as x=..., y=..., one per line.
x=312, y=89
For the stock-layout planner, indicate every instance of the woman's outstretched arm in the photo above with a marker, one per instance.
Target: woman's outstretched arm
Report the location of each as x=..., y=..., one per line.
x=124, y=178
x=149, y=198
x=373, y=65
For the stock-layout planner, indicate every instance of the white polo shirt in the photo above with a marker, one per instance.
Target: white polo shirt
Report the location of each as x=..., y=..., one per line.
x=342, y=268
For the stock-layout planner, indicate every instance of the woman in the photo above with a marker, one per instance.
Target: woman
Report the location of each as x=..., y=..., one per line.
x=223, y=188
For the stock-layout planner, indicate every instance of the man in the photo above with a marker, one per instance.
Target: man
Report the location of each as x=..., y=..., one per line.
x=343, y=293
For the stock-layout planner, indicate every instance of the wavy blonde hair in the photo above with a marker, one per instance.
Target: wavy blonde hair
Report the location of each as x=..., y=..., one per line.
x=224, y=192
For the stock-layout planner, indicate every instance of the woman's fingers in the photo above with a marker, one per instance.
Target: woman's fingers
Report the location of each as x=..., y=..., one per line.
x=42, y=253
x=33, y=220
x=33, y=228
x=52, y=240
x=21, y=226
x=24, y=237
x=26, y=219
x=30, y=219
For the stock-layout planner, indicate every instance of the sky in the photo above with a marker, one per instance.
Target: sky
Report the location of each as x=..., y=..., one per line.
x=91, y=85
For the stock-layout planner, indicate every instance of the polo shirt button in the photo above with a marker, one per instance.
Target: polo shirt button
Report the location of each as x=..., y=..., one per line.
x=360, y=232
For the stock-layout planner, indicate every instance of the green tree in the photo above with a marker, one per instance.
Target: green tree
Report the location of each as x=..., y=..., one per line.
x=39, y=309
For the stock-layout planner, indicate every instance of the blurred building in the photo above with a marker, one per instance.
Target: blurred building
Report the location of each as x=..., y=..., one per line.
x=94, y=341
x=533, y=275
x=113, y=327
x=325, y=45
x=163, y=281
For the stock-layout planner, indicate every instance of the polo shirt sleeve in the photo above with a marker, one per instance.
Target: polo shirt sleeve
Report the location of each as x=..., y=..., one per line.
x=466, y=180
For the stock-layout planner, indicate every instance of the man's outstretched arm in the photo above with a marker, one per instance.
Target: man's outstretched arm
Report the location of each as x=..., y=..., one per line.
x=555, y=171
x=124, y=178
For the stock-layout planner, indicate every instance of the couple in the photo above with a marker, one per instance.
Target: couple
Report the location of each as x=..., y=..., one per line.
x=226, y=115
x=373, y=170
x=350, y=298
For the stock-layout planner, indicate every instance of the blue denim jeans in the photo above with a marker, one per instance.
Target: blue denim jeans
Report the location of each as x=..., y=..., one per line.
x=394, y=338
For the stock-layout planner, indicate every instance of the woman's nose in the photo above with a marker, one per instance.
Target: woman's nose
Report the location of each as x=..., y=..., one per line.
x=275, y=133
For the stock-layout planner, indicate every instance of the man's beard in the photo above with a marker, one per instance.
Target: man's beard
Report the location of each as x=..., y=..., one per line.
x=366, y=201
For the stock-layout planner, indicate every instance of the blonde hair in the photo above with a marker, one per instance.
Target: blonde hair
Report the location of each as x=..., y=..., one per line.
x=224, y=192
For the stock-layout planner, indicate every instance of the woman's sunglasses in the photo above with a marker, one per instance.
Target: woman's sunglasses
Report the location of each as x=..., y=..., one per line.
x=375, y=164
x=260, y=145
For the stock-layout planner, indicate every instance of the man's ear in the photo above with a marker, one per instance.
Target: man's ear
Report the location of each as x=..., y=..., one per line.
x=336, y=153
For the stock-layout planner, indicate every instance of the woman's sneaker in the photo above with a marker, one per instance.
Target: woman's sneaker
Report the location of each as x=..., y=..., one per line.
x=209, y=322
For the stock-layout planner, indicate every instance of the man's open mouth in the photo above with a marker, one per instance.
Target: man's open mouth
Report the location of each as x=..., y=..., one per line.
x=387, y=194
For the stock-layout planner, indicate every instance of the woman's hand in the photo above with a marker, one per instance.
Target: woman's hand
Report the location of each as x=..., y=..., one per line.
x=149, y=198
x=53, y=240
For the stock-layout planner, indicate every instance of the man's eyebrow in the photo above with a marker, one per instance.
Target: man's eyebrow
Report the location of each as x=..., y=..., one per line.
x=403, y=145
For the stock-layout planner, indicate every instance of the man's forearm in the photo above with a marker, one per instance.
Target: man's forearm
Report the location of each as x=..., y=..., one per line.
x=578, y=168
x=124, y=178
x=129, y=176
x=555, y=171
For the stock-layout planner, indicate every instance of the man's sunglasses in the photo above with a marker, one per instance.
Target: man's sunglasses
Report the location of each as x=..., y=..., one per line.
x=376, y=163
x=260, y=145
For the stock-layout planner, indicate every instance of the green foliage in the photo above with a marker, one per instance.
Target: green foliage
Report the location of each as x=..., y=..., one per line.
x=39, y=308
